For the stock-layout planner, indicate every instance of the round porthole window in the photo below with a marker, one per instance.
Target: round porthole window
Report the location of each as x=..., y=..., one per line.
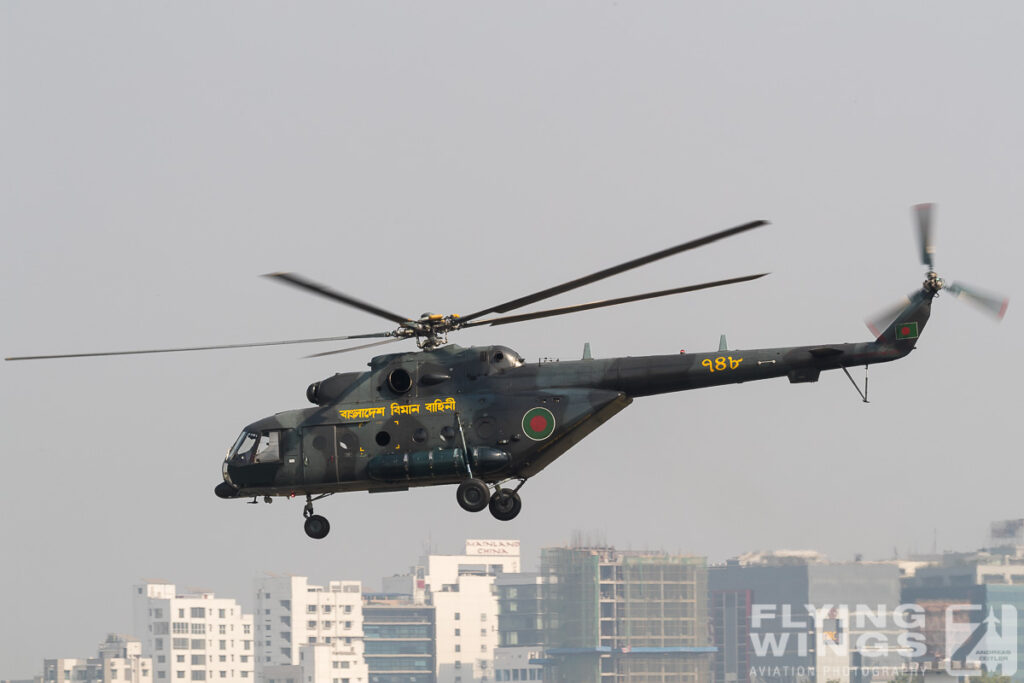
x=383, y=438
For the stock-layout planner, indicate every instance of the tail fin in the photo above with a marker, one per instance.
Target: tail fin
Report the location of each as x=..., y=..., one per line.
x=908, y=324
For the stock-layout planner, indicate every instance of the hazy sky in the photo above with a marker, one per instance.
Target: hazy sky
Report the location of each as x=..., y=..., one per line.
x=158, y=157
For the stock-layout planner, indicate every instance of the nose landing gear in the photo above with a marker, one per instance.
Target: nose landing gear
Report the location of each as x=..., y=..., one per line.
x=316, y=526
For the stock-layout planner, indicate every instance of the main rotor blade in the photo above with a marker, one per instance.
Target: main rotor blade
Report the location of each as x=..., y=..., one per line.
x=614, y=270
x=924, y=233
x=993, y=304
x=202, y=348
x=611, y=302
x=356, y=348
x=310, y=286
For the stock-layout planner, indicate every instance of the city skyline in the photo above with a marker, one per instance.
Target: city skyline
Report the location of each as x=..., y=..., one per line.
x=263, y=580
x=159, y=159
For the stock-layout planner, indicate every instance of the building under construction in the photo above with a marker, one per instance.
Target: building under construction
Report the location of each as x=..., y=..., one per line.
x=636, y=617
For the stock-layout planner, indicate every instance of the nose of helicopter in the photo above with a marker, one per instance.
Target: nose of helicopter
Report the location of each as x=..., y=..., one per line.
x=225, y=490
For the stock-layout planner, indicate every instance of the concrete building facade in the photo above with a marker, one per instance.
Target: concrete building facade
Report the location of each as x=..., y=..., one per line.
x=294, y=618
x=119, y=660
x=615, y=616
x=193, y=636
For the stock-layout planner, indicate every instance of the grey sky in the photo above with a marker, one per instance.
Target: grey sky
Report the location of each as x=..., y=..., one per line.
x=158, y=157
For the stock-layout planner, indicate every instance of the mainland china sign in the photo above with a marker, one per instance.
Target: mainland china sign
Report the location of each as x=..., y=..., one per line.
x=491, y=547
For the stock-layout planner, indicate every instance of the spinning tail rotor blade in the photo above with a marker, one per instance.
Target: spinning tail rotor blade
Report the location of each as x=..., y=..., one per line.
x=880, y=321
x=993, y=304
x=923, y=213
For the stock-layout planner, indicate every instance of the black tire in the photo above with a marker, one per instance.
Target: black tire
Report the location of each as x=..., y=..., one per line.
x=317, y=526
x=505, y=505
x=473, y=495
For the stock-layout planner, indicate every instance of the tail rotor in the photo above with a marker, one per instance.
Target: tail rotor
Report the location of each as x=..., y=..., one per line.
x=992, y=304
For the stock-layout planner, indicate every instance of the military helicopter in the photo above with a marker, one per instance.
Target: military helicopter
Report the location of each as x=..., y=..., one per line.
x=484, y=419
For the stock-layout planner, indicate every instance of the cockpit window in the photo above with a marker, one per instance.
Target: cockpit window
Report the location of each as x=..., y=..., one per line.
x=254, y=448
x=267, y=450
x=243, y=449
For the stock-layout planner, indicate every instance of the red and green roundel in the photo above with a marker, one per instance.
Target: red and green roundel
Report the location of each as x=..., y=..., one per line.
x=538, y=423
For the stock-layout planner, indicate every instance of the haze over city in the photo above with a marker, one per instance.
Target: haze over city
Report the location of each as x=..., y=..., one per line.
x=158, y=159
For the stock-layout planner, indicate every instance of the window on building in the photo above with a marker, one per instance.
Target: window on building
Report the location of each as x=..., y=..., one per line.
x=310, y=609
x=181, y=613
x=161, y=674
x=458, y=648
x=179, y=643
x=220, y=613
x=158, y=643
x=458, y=616
x=181, y=674
x=328, y=624
x=222, y=629
x=348, y=624
x=198, y=612
x=180, y=659
x=483, y=632
x=348, y=609
x=327, y=609
x=198, y=629
x=179, y=627
x=483, y=616
x=223, y=645
x=245, y=629
x=198, y=660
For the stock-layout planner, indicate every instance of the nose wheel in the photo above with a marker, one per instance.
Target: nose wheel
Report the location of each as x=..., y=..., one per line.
x=316, y=526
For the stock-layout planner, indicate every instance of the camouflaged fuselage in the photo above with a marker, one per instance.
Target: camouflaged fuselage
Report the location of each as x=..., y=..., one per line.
x=433, y=417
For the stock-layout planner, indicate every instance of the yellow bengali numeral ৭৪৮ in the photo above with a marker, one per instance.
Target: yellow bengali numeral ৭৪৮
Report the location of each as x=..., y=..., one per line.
x=721, y=363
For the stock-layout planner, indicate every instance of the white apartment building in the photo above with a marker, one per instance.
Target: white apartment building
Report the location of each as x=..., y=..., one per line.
x=119, y=660
x=461, y=589
x=317, y=628
x=194, y=636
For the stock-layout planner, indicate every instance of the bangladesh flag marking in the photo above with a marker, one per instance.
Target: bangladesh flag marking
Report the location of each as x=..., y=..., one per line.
x=538, y=423
x=906, y=331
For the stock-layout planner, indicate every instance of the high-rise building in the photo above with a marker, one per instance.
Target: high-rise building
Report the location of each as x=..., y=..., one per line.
x=291, y=614
x=193, y=636
x=119, y=660
x=787, y=619
x=399, y=639
x=625, y=616
x=520, y=628
x=461, y=590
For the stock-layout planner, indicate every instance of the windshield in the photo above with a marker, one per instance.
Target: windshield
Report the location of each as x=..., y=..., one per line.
x=254, y=448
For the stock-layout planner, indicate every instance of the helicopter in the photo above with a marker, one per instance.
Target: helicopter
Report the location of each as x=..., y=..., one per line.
x=485, y=420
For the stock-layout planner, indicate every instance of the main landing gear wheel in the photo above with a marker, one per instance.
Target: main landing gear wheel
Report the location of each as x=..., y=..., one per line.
x=505, y=505
x=317, y=526
x=473, y=495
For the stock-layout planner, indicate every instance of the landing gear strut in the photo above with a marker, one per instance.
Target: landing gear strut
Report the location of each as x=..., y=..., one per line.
x=316, y=526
